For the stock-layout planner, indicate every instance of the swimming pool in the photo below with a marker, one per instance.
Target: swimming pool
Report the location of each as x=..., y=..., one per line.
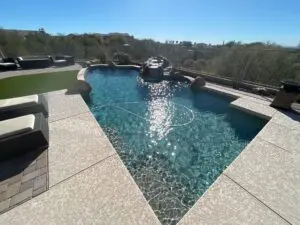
x=174, y=142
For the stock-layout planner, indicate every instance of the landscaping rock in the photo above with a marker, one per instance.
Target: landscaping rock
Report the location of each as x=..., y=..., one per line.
x=88, y=64
x=198, y=83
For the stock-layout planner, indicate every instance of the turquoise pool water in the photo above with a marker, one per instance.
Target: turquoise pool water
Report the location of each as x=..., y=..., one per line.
x=174, y=142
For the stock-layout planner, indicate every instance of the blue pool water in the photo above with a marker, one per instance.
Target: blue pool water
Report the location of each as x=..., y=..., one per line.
x=174, y=142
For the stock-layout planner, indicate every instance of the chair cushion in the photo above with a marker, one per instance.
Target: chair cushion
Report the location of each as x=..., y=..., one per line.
x=17, y=125
x=31, y=99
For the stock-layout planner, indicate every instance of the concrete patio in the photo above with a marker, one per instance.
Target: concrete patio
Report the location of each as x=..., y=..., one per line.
x=89, y=184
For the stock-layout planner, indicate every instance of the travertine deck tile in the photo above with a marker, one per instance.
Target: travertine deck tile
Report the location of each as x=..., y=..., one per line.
x=281, y=136
x=102, y=194
x=272, y=175
x=262, y=100
x=90, y=184
x=227, y=203
x=62, y=106
x=254, y=108
x=222, y=90
x=75, y=144
x=288, y=119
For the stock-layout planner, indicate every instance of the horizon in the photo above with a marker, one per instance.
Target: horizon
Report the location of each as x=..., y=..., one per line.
x=144, y=38
x=211, y=22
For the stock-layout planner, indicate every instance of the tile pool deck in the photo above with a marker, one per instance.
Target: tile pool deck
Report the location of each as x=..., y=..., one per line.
x=89, y=184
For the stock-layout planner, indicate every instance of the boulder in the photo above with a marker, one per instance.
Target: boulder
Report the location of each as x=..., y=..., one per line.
x=80, y=87
x=88, y=63
x=198, y=83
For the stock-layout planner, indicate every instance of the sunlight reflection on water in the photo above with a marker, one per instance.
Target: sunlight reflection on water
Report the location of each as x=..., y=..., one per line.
x=175, y=143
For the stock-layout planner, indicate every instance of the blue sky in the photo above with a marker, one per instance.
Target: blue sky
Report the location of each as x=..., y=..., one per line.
x=210, y=21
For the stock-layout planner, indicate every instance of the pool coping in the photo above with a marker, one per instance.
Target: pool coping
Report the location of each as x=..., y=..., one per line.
x=269, y=136
x=258, y=106
x=237, y=196
x=82, y=72
x=88, y=182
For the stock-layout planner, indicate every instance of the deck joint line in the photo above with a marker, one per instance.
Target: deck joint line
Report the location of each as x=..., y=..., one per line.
x=256, y=198
x=286, y=150
x=77, y=114
x=94, y=164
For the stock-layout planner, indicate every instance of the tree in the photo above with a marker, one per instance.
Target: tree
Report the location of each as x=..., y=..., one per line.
x=230, y=44
x=199, y=64
x=101, y=57
x=258, y=62
x=188, y=63
x=187, y=44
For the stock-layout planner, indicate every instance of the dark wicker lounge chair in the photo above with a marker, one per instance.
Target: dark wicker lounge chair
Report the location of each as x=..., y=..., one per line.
x=64, y=60
x=288, y=94
x=35, y=62
x=6, y=66
x=14, y=107
x=23, y=134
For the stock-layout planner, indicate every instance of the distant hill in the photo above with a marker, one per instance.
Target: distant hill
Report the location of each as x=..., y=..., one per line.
x=27, y=32
x=20, y=32
x=259, y=62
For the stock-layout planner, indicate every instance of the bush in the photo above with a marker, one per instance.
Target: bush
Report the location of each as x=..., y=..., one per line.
x=122, y=58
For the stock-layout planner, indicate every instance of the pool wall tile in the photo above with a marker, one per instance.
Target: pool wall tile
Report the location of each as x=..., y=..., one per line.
x=225, y=202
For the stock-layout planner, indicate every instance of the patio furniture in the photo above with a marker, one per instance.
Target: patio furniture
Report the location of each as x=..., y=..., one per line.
x=5, y=66
x=23, y=134
x=64, y=60
x=35, y=62
x=14, y=107
x=60, y=63
x=287, y=94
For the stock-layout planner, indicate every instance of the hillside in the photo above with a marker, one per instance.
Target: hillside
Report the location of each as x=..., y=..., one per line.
x=259, y=62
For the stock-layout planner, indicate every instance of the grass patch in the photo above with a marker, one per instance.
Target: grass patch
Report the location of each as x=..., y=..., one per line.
x=36, y=83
